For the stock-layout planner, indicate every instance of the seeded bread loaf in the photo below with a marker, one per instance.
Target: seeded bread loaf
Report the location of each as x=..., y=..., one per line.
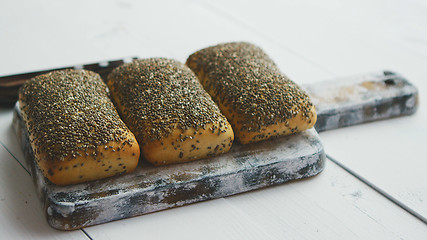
x=74, y=130
x=172, y=116
x=259, y=101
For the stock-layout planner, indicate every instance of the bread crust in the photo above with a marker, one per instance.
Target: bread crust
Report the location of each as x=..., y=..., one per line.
x=44, y=120
x=257, y=99
x=196, y=144
x=173, y=118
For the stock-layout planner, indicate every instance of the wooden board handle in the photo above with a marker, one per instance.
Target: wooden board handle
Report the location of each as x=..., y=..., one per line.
x=364, y=98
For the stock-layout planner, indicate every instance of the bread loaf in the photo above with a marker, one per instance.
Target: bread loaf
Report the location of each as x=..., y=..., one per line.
x=258, y=100
x=74, y=130
x=172, y=116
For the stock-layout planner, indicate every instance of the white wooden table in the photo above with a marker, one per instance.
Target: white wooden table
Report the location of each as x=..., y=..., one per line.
x=377, y=170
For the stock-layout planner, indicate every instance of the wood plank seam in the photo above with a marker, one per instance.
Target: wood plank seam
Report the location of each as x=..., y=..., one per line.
x=378, y=190
x=85, y=233
x=16, y=159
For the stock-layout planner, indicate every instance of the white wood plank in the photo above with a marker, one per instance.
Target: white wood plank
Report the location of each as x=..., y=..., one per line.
x=20, y=211
x=391, y=156
x=332, y=205
x=172, y=29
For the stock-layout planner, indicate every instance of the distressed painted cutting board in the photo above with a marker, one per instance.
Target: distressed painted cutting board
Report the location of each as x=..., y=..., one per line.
x=340, y=102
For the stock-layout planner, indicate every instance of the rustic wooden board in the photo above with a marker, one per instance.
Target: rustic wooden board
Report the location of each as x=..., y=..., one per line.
x=246, y=167
x=151, y=189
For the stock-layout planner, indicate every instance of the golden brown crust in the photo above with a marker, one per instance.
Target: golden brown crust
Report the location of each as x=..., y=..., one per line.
x=204, y=143
x=258, y=100
x=56, y=123
x=173, y=118
x=266, y=132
